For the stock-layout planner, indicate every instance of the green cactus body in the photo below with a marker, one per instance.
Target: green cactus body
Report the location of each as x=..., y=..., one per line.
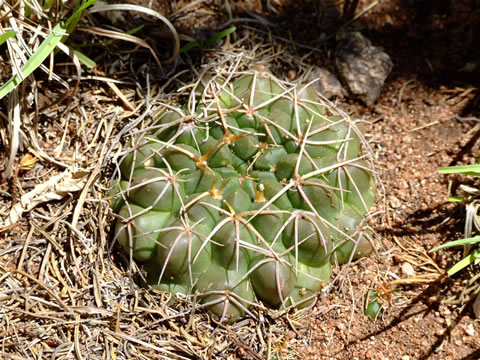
x=140, y=235
x=310, y=281
x=253, y=200
x=224, y=292
x=273, y=278
x=350, y=239
x=310, y=239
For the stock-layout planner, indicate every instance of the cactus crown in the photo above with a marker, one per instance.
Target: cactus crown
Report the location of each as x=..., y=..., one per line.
x=251, y=194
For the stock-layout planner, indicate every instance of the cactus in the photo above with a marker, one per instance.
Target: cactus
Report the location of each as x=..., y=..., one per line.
x=249, y=198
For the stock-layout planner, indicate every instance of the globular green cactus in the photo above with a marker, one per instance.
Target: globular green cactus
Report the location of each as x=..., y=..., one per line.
x=249, y=196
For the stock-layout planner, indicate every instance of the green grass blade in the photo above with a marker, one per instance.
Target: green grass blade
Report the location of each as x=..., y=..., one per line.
x=190, y=45
x=469, y=259
x=464, y=169
x=48, y=4
x=219, y=36
x=205, y=44
x=85, y=60
x=6, y=35
x=456, y=199
x=135, y=30
x=467, y=241
x=45, y=48
x=73, y=20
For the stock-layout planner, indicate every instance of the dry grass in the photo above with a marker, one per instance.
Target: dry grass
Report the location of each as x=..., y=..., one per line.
x=66, y=290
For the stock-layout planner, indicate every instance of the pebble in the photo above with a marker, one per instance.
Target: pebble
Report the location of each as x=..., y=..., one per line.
x=396, y=259
x=291, y=335
x=370, y=354
x=407, y=269
x=326, y=83
x=470, y=330
x=476, y=306
x=395, y=203
x=291, y=75
x=362, y=66
x=405, y=357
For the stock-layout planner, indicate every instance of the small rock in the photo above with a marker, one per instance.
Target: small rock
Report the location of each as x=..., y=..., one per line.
x=407, y=269
x=476, y=306
x=291, y=75
x=363, y=67
x=396, y=259
x=470, y=330
x=405, y=357
x=395, y=202
x=325, y=83
x=468, y=67
x=291, y=335
x=370, y=354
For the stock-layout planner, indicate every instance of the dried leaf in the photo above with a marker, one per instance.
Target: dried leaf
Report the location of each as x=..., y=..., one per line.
x=54, y=188
x=28, y=162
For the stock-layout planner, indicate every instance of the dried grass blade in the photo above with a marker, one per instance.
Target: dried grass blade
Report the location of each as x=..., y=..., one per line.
x=129, y=7
x=121, y=36
x=122, y=97
x=50, y=291
x=14, y=122
x=146, y=344
x=93, y=176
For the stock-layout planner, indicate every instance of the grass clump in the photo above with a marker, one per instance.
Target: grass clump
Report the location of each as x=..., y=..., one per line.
x=470, y=243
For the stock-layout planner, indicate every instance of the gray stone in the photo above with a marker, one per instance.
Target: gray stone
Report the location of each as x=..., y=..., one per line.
x=326, y=83
x=476, y=306
x=362, y=66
